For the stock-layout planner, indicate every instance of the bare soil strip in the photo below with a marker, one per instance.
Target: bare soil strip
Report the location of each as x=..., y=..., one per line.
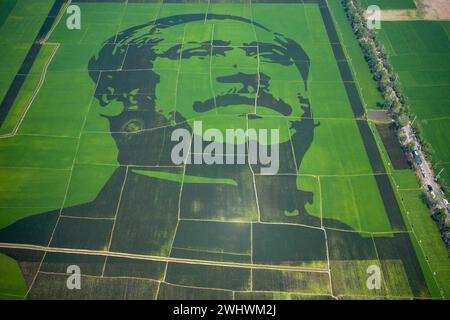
x=426, y=10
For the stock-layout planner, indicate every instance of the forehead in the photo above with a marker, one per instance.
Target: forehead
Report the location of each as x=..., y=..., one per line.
x=234, y=32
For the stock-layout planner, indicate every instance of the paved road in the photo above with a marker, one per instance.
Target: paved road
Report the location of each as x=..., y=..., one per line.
x=427, y=174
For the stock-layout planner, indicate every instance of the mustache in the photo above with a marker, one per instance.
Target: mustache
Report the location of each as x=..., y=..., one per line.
x=230, y=99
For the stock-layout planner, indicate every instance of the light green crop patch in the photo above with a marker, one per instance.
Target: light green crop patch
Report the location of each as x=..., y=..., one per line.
x=184, y=178
x=12, y=283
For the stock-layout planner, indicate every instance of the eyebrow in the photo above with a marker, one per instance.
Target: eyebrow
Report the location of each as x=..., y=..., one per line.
x=221, y=46
x=265, y=47
x=201, y=49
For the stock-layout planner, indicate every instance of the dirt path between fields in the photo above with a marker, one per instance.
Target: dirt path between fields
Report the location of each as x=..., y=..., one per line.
x=161, y=258
x=395, y=15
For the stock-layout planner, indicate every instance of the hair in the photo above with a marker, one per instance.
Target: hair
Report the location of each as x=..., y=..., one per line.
x=143, y=40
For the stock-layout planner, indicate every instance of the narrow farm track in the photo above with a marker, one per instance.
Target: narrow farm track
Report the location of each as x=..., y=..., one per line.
x=160, y=259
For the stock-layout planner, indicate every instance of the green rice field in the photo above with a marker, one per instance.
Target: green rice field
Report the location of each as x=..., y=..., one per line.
x=87, y=178
x=420, y=54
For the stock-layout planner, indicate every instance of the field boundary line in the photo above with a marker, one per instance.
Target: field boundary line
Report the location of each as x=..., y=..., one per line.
x=320, y=203
x=35, y=168
x=381, y=266
x=85, y=218
x=210, y=251
x=158, y=13
x=216, y=220
x=119, y=25
x=39, y=135
x=100, y=277
x=300, y=293
x=195, y=287
x=185, y=162
x=381, y=296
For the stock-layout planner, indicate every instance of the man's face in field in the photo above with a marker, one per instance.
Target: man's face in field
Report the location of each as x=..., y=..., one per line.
x=226, y=73
x=217, y=81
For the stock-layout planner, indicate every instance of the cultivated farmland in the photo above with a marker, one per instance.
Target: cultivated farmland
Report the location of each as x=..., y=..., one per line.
x=420, y=54
x=87, y=179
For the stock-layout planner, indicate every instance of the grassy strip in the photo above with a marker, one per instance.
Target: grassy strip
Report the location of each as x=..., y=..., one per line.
x=186, y=179
x=12, y=283
x=361, y=73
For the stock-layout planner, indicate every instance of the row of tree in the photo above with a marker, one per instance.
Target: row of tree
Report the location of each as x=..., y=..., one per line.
x=394, y=100
x=378, y=61
x=387, y=80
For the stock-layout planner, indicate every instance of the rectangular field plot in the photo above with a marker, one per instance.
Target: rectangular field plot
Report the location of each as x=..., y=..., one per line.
x=59, y=262
x=123, y=267
x=351, y=256
x=13, y=285
x=53, y=286
x=172, y=292
x=289, y=245
x=226, y=278
x=104, y=190
x=82, y=233
x=28, y=187
x=20, y=268
x=212, y=201
x=258, y=295
x=400, y=248
x=37, y=152
x=337, y=149
x=147, y=215
x=289, y=199
x=212, y=241
x=291, y=281
x=405, y=179
x=354, y=203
